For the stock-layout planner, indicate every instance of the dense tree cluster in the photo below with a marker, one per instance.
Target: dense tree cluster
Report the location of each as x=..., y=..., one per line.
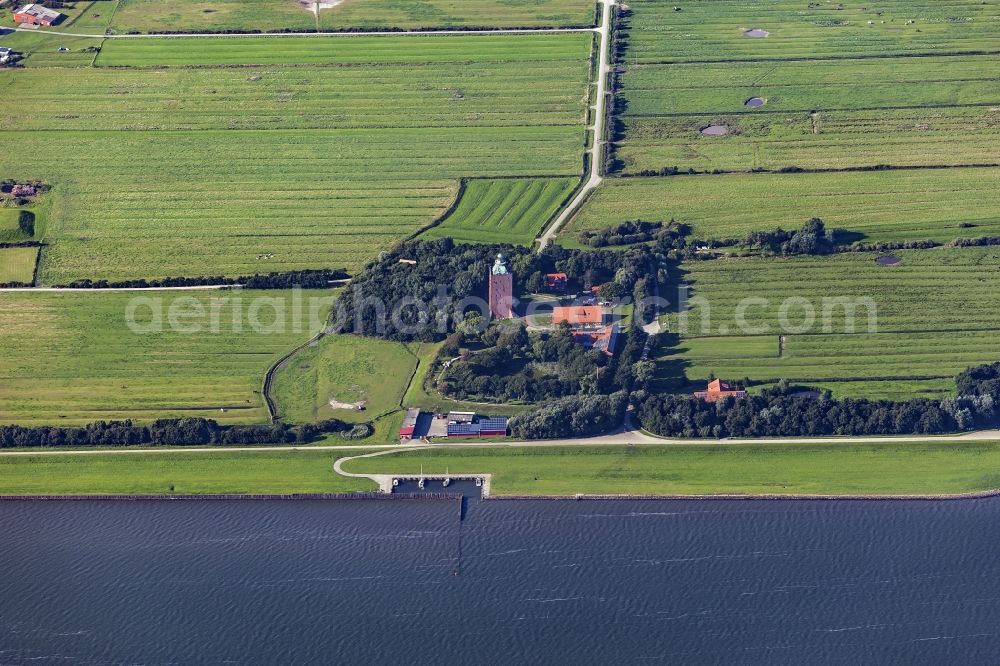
x=517, y=366
x=812, y=238
x=306, y=279
x=575, y=416
x=421, y=290
x=168, y=432
x=669, y=235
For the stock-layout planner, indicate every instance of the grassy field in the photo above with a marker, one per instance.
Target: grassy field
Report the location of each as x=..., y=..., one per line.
x=904, y=469
x=72, y=358
x=9, y=230
x=211, y=16
x=934, y=316
x=189, y=473
x=504, y=210
x=818, y=114
x=17, y=264
x=42, y=50
x=270, y=15
x=286, y=166
x=458, y=14
x=345, y=369
x=712, y=30
x=883, y=205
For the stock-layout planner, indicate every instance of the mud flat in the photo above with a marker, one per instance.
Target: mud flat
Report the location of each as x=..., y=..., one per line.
x=715, y=130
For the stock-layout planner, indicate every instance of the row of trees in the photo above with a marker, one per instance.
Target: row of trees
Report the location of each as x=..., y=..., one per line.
x=306, y=279
x=167, y=432
x=785, y=411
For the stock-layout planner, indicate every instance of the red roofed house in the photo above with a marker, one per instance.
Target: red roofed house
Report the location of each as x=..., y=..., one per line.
x=556, y=281
x=603, y=339
x=578, y=315
x=718, y=389
x=35, y=14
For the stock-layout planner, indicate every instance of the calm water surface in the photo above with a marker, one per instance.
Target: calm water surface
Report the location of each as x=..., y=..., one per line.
x=608, y=582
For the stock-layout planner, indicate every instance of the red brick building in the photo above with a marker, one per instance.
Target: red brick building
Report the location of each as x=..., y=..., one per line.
x=718, y=389
x=501, y=290
x=578, y=315
x=35, y=14
x=604, y=340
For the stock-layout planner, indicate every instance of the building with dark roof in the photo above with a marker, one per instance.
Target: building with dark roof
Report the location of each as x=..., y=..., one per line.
x=484, y=427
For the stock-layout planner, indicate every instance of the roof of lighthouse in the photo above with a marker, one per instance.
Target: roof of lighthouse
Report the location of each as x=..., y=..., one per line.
x=500, y=266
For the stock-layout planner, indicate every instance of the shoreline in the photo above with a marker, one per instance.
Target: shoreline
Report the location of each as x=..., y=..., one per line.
x=582, y=497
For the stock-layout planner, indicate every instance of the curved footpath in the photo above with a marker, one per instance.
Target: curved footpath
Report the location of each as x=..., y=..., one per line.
x=597, y=151
x=622, y=438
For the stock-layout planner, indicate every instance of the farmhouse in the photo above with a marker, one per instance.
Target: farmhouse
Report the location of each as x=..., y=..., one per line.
x=578, y=315
x=556, y=282
x=718, y=389
x=604, y=340
x=35, y=14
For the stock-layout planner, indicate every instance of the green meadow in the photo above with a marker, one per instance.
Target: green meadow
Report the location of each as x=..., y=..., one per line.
x=504, y=210
x=72, y=358
x=374, y=14
x=713, y=30
x=211, y=16
x=705, y=469
x=880, y=205
x=17, y=264
x=287, y=165
x=787, y=469
x=344, y=369
x=272, y=15
x=914, y=326
x=10, y=232
x=816, y=114
x=187, y=473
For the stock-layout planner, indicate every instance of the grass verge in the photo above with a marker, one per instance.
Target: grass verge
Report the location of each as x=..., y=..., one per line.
x=715, y=469
x=186, y=473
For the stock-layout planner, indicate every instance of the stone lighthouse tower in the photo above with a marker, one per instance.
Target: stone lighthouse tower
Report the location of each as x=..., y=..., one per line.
x=501, y=290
